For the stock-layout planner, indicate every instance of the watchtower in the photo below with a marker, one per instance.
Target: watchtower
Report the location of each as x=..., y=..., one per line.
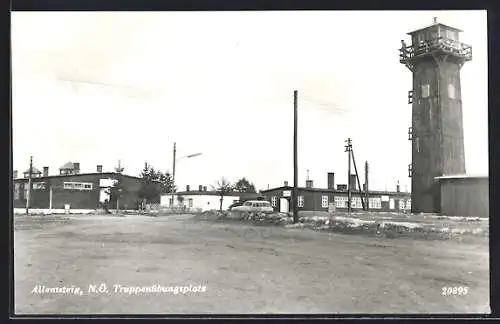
x=435, y=58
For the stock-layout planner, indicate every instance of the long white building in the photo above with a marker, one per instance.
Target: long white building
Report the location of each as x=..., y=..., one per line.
x=203, y=200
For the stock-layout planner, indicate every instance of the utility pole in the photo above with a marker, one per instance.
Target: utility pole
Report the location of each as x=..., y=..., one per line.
x=29, y=186
x=295, y=167
x=366, y=185
x=173, y=175
x=357, y=178
x=50, y=198
x=348, y=150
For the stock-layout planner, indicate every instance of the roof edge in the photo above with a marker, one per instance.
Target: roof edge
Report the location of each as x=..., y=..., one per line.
x=80, y=174
x=438, y=24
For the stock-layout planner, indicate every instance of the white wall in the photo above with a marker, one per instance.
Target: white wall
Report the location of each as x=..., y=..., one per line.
x=204, y=202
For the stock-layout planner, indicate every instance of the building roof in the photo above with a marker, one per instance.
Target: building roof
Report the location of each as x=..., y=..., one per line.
x=33, y=170
x=433, y=25
x=461, y=176
x=68, y=166
x=99, y=174
x=215, y=193
x=376, y=192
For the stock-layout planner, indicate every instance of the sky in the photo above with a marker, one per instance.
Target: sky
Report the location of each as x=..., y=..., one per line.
x=99, y=87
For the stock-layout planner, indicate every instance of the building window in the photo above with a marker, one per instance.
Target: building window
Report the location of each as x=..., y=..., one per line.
x=452, y=35
x=300, y=201
x=324, y=201
x=170, y=201
x=38, y=185
x=190, y=202
x=374, y=203
x=16, y=191
x=356, y=202
x=408, y=204
x=340, y=201
x=78, y=185
x=425, y=90
x=273, y=201
x=451, y=91
x=401, y=204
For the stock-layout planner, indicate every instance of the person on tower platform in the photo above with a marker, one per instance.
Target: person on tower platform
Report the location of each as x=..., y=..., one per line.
x=404, y=51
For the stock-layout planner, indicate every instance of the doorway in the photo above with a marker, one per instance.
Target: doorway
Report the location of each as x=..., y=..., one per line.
x=284, y=205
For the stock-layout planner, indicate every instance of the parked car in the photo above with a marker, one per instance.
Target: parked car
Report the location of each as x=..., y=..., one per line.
x=254, y=206
x=235, y=204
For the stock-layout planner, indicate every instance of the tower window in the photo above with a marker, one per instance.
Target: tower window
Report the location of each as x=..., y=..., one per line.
x=425, y=91
x=452, y=35
x=451, y=91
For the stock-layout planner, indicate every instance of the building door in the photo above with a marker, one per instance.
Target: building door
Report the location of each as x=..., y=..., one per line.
x=284, y=205
x=391, y=204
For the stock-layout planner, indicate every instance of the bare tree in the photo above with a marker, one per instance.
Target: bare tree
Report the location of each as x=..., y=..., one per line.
x=222, y=187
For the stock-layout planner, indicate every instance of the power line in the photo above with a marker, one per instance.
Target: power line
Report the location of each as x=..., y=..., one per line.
x=322, y=103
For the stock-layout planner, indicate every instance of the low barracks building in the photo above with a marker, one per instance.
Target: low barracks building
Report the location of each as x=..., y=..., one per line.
x=204, y=200
x=82, y=191
x=316, y=199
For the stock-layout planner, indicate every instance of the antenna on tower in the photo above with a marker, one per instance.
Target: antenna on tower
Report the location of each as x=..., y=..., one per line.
x=119, y=168
x=307, y=174
x=435, y=20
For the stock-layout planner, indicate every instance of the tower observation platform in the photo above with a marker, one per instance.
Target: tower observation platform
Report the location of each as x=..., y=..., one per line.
x=438, y=39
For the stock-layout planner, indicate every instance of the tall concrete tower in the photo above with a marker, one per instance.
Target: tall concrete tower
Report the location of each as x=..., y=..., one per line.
x=435, y=57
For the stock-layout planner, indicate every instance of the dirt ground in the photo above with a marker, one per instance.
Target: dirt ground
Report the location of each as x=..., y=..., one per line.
x=245, y=269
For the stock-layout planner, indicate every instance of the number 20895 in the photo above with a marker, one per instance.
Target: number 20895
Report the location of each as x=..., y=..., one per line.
x=454, y=291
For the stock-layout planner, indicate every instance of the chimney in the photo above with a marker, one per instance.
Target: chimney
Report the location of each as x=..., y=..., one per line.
x=435, y=20
x=45, y=171
x=331, y=180
x=99, y=168
x=398, y=188
x=76, y=167
x=14, y=174
x=342, y=187
x=309, y=183
x=285, y=183
x=187, y=187
x=204, y=188
x=353, y=182
x=200, y=188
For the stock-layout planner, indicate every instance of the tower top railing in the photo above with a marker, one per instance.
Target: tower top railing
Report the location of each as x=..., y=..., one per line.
x=446, y=45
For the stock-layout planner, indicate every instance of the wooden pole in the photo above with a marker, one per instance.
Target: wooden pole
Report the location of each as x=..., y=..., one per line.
x=295, y=166
x=173, y=174
x=348, y=150
x=357, y=177
x=50, y=199
x=366, y=186
x=28, y=196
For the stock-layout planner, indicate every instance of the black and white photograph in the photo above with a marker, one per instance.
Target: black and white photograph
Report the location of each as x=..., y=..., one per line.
x=250, y=162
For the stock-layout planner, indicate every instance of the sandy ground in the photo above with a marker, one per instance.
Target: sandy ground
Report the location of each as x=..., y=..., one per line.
x=245, y=269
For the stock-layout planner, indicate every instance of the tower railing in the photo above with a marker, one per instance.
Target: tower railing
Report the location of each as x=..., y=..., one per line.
x=443, y=44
